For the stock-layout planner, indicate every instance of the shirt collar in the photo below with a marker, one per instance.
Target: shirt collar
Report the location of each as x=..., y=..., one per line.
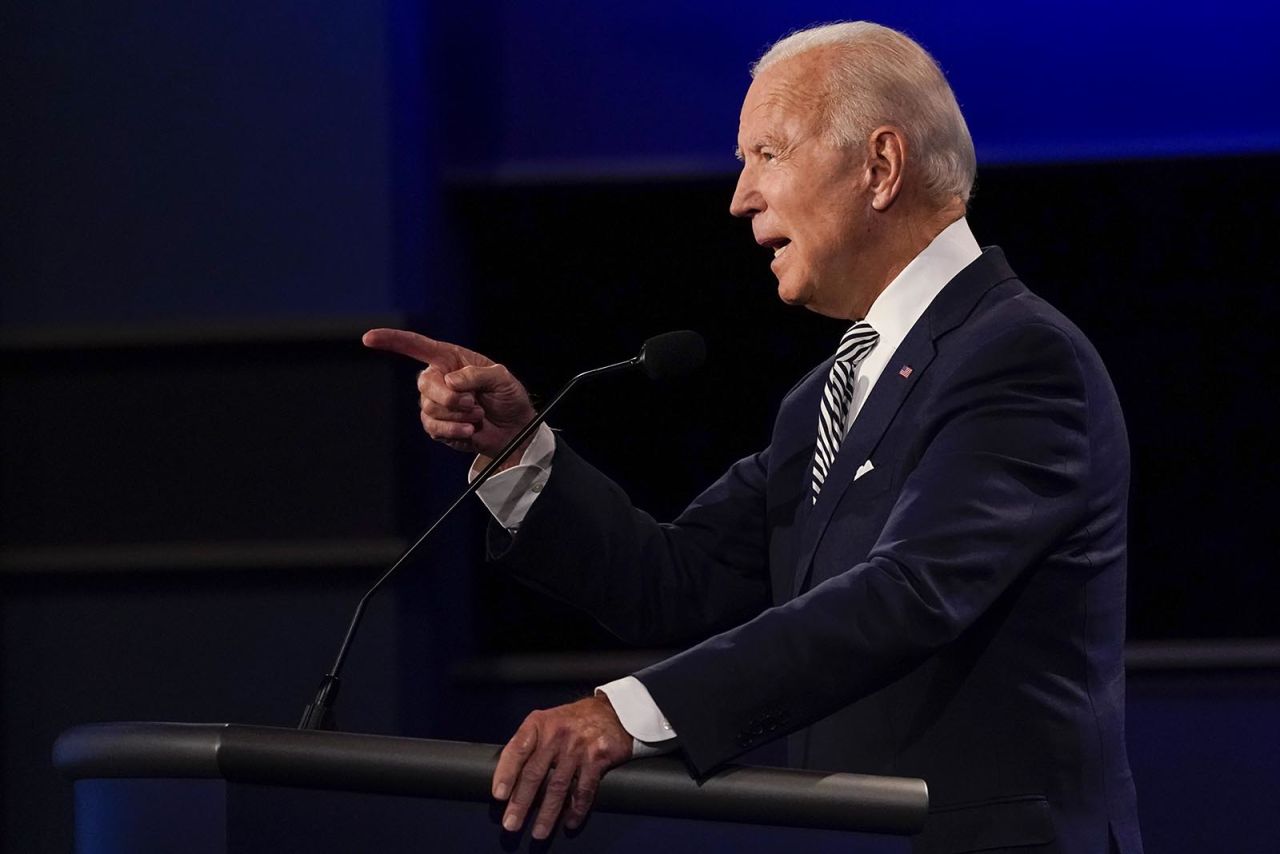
x=900, y=304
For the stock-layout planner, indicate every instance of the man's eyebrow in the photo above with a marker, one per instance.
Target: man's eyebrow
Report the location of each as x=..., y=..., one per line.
x=766, y=141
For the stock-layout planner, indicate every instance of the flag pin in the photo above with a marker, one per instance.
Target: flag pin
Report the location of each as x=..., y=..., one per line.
x=905, y=372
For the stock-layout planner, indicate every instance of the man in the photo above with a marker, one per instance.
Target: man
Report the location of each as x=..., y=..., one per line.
x=924, y=572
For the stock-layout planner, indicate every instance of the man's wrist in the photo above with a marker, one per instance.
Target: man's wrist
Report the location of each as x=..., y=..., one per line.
x=510, y=493
x=513, y=459
x=651, y=733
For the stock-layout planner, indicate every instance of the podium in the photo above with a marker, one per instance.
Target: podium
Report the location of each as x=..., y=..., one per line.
x=215, y=788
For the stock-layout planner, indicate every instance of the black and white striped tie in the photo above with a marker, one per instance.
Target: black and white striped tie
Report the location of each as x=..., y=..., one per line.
x=834, y=411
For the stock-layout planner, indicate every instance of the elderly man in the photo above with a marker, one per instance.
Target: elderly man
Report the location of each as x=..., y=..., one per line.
x=924, y=572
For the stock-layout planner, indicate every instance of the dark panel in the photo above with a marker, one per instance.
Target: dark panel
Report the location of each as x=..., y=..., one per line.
x=170, y=815
x=189, y=516
x=268, y=820
x=252, y=440
x=1205, y=759
x=248, y=646
x=182, y=160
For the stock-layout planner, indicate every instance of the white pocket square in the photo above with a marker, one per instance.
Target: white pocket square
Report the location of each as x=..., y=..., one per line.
x=863, y=469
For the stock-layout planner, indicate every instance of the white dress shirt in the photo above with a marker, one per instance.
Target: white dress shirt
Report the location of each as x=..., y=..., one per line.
x=509, y=495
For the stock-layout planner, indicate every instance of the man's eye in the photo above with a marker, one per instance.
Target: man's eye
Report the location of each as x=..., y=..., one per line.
x=766, y=155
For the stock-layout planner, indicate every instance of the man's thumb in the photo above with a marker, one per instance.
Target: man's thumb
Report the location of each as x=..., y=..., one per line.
x=477, y=378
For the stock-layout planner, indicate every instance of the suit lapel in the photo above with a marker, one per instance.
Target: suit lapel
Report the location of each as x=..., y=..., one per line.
x=949, y=309
x=807, y=423
x=886, y=398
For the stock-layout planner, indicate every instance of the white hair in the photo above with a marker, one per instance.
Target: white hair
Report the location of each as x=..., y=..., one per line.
x=880, y=76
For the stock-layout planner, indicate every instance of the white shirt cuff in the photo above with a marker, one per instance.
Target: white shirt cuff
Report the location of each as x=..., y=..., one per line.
x=511, y=493
x=651, y=733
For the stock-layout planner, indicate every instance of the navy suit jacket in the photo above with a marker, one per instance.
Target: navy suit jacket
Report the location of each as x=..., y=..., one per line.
x=955, y=613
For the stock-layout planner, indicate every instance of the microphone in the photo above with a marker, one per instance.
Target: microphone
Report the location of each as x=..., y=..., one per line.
x=672, y=354
x=664, y=356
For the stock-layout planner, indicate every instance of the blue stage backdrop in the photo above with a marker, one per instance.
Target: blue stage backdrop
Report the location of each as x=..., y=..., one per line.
x=239, y=159
x=581, y=86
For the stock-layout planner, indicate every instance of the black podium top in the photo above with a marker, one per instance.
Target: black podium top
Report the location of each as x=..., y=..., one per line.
x=460, y=771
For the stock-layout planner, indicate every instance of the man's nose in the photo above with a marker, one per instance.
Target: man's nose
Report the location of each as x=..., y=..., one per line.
x=746, y=200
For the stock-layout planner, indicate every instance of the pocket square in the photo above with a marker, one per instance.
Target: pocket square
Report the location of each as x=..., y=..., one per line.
x=863, y=469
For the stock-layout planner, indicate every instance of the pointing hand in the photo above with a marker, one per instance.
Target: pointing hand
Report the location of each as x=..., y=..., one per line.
x=468, y=401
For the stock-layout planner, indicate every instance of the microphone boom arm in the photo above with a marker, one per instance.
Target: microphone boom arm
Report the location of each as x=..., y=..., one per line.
x=319, y=713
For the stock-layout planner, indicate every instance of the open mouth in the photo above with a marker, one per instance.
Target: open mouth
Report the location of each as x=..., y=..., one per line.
x=777, y=245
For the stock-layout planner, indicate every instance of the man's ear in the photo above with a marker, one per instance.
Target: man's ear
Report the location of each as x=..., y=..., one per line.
x=886, y=159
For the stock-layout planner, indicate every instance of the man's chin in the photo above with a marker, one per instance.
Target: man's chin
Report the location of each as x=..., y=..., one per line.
x=792, y=295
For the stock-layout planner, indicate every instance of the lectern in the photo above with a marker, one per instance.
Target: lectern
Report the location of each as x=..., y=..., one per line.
x=146, y=788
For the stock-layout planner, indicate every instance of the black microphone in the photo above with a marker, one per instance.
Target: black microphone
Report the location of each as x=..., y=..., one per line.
x=670, y=354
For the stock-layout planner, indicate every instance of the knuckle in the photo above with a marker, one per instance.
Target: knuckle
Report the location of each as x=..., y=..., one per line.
x=589, y=777
x=601, y=749
x=443, y=430
x=583, y=797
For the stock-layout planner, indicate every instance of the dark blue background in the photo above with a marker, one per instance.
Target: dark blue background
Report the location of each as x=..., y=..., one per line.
x=651, y=85
x=236, y=159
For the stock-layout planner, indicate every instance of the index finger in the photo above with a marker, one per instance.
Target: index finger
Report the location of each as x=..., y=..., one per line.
x=415, y=346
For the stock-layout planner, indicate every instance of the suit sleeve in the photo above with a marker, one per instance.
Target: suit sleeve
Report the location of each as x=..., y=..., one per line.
x=1000, y=483
x=584, y=543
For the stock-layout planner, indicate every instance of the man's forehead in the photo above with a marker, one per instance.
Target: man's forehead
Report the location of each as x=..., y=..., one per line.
x=793, y=86
x=778, y=105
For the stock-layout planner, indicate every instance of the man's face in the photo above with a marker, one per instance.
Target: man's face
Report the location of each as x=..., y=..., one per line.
x=806, y=199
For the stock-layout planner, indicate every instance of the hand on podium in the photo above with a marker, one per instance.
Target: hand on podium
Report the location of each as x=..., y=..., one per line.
x=569, y=748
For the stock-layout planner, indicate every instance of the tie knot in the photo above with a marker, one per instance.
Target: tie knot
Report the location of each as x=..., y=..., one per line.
x=857, y=343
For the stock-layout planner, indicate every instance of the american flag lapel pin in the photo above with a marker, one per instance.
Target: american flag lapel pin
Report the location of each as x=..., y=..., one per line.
x=904, y=371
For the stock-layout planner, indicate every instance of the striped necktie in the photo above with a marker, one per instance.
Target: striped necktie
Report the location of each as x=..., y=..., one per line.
x=837, y=395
